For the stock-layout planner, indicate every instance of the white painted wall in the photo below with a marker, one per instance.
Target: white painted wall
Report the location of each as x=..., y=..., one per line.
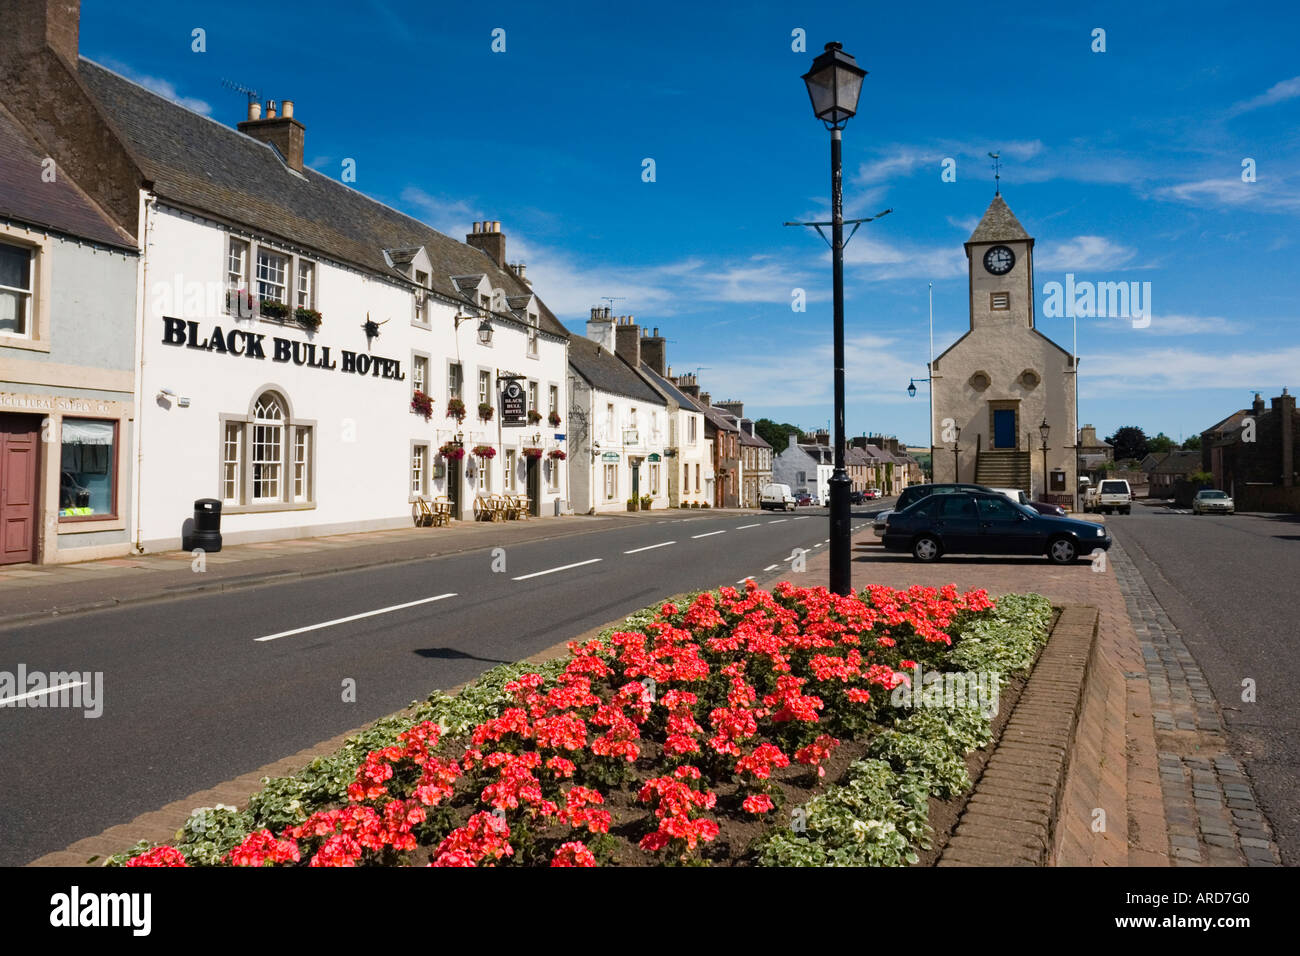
x=363, y=424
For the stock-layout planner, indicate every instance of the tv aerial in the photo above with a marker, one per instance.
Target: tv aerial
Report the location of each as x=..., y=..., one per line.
x=252, y=94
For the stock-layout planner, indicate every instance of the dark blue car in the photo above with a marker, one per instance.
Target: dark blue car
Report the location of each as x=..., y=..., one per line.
x=977, y=523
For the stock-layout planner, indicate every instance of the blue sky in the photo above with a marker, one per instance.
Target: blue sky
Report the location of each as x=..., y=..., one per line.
x=1126, y=166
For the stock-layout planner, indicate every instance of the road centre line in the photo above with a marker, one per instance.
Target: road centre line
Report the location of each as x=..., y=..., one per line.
x=47, y=690
x=776, y=521
x=650, y=547
x=708, y=534
x=354, y=617
x=771, y=567
x=744, y=526
x=799, y=517
x=565, y=567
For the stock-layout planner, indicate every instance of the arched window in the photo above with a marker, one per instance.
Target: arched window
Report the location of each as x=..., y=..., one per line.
x=268, y=447
x=267, y=456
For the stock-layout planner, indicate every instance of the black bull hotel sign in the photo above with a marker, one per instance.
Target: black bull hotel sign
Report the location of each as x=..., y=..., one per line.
x=253, y=345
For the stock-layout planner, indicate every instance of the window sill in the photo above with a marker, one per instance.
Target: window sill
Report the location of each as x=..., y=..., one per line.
x=85, y=524
x=23, y=342
x=266, y=506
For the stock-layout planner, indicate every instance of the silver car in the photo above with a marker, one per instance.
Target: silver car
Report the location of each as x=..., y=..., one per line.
x=1208, y=501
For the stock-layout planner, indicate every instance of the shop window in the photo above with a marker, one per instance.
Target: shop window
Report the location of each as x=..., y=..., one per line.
x=15, y=290
x=88, y=469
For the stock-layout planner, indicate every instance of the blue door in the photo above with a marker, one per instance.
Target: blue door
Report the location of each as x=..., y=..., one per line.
x=1004, y=428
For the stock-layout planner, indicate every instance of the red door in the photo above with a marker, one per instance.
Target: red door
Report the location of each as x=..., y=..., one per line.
x=19, y=455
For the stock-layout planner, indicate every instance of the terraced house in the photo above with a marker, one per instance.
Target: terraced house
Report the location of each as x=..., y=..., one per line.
x=310, y=357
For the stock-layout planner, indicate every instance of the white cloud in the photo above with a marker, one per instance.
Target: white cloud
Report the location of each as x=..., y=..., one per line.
x=164, y=88
x=1181, y=370
x=903, y=160
x=1083, y=253
x=451, y=217
x=1277, y=93
x=1232, y=192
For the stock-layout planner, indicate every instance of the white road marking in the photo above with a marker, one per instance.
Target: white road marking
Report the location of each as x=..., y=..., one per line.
x=800, y=517
x=47, y=690
x=649, y=547
x=744, y=526
x=708, y=534
x=771, y=567
x=776, y=521
x=565, y=567
x=354, y=617
x=743, y=580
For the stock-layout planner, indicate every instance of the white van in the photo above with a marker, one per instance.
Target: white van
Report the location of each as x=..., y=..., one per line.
x=776, y=497
x=1114, y=495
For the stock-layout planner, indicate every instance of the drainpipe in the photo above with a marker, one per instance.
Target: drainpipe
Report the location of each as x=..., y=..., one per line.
x=147, y=201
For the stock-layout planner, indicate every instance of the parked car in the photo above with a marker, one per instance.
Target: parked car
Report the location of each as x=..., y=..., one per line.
x=873, y=493
x=1211, y=502
x=985, y=522
x=915, y=493
x=776, y=497
x=803, y=499
x=1042, y=507
x=1090, y=496
x=857, y=497
x=1114, y=494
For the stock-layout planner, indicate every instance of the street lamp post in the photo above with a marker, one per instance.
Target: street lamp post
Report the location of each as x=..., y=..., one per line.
x=911, y=393
x=1043, y=430
x=834, y=83
x=956, y=456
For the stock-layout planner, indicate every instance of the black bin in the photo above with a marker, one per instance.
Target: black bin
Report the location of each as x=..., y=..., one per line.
x=207, y=526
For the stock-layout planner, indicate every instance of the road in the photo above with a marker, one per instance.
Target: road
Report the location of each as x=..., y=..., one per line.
x=1226, y=582
x=202, y=689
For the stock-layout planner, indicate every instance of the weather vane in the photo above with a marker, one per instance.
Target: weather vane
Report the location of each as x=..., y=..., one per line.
x=997, y=173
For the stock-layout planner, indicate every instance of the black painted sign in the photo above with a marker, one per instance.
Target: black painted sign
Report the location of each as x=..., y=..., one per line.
x=514, y=405
x=254, y=345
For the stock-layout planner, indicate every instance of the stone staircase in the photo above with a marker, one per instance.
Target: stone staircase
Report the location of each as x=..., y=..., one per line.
x=1003, y=469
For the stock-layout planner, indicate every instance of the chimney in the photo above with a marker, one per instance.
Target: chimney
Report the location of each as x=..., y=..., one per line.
x=1257, y=407
x=285, y=133
x=1088, y=436
x=733, y=407
x=654, y=352
x=628, y=340
x=600, y=329
x=35, y=25
x=822, y=437
x=687, y=385
x=706, y=399
x=488, y=239
x=1284, y=407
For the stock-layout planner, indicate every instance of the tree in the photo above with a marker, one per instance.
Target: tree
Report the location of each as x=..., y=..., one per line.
x=776, y=434
x=1129, y=441
x=1160, y=444
x=1192, y=444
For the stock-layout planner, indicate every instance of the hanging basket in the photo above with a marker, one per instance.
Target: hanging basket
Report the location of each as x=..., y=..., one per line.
x=452, y=452
x=532, y=453
x=484, y=451
x=456, y=409
x=422, y=404
x=556, y=455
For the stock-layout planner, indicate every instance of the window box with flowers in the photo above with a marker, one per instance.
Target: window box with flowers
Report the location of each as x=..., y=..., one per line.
x=532, y=453
x=452, y=451
x=554, y=419
x=534, y=416
x=484, y=451
x=271, y=309
x=456, y=409
x=485, y=411
x=422, y=404
x=556, y=455
x=240, y=302
x=308, y=318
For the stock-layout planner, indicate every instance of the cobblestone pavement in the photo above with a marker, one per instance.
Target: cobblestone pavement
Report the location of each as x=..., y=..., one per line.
x=1209, y=803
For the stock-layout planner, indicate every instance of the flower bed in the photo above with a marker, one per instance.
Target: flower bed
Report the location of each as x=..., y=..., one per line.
x=746, y=727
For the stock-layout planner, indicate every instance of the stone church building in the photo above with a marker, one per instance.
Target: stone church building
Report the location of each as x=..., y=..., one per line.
x=995, y=386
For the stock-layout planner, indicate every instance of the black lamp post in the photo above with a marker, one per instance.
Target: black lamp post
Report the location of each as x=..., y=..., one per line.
x=834, y=84
x=956, y=453
x=1043, y=430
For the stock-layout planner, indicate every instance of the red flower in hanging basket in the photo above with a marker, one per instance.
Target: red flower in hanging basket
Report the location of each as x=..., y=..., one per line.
x=534, y=416
x=554, y=419
x=422, y=404
x=456, y=409
x=452, y=452
x=485, y=411
x=556, y=455
x=532, y=453
x=484, y=451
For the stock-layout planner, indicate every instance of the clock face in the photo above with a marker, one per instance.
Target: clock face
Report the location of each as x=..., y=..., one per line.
x=999, y=260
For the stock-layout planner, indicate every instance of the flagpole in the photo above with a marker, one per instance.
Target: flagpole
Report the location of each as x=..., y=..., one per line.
x=929, y=371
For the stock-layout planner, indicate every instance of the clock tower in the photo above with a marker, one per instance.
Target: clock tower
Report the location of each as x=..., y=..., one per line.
x=1000, y=258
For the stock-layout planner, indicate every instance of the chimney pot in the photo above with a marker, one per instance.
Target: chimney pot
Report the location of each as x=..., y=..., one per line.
x=254, y=110
x=286, y=109
x=270, y=109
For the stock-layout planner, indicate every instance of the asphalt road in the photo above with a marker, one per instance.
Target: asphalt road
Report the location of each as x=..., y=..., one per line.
x=199, y=690
x=1226, y=582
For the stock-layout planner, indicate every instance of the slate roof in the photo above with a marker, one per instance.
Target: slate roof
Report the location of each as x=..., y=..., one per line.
x=1179, y=463
x=668, y=388
x=609, y=373
x=59, y=205
x=203, y=165
x=999, y=223
x=746, y=438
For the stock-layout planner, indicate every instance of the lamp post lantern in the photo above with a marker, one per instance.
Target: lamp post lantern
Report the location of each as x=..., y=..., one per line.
x=834, y=84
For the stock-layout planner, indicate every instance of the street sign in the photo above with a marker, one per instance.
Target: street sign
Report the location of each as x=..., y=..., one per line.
x=514, y=405
x=559, y=437
x=653, y=456
x=609, y=456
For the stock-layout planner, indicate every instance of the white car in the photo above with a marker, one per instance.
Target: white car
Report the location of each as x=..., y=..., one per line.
x=1114, y=494
x=1211, y=502
x=777, y=497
